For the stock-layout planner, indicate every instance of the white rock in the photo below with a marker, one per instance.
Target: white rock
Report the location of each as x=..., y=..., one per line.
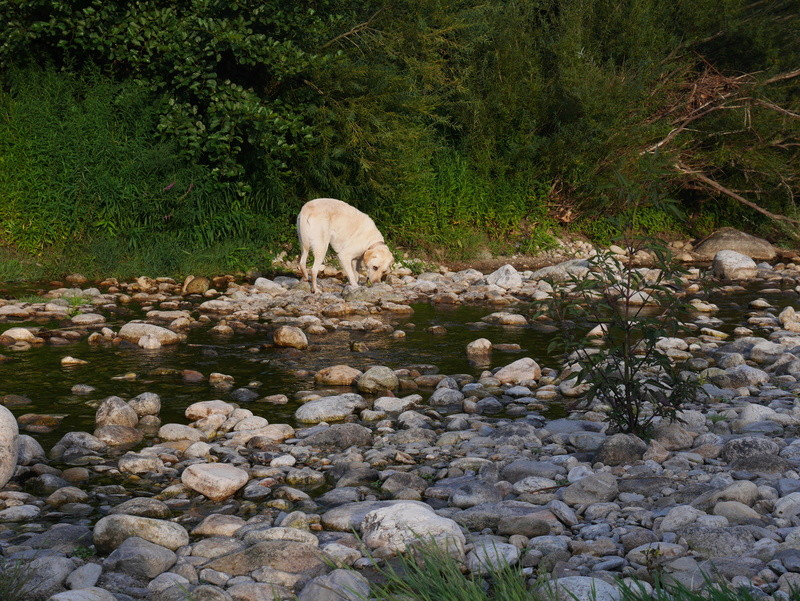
x=730, y=265
x=134, y=330
x=402, y=525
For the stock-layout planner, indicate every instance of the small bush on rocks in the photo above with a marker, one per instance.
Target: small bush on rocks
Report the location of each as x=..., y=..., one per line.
x=622, y=363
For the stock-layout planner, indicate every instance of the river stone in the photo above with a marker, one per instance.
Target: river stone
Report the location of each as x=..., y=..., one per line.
x=679, y=517
x=737, y=513
x=598, y=488
x=119, y=436
x=134, y=330
x=489, y=556
x=672, y=435
x=20, y=334
x=92, y=593
x=645, y=554
x=748, y=446
x=339, y=585
x=114, y=411
x=76, y=444
x=203, y=409
x=140, y=558
x=290, y=336
x=506, y=277
x=218, y=524
x=731, y=265
x=46, y=576
x=217, y=481
x=399, y=527
x=329, y=408
x=579, y=588
x=283, y=555
x=139, y=463
x=706, y=542
x=521, y=370
x=479, y=347
x=349, y=516
x=147, y=403
x=341, y=436
x=740, y=376
x=377, y=379
x=337, y=375
x=144, y=507
x=621, y=449
x=731, y=239
x=174, y=432
x=112, y=530
x=392, y=404
x=9, y=445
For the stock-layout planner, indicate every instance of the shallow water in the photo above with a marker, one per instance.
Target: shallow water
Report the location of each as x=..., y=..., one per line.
x=38, y=374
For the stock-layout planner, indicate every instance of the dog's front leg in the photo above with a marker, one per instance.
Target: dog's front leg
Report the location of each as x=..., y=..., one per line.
x=349, y=265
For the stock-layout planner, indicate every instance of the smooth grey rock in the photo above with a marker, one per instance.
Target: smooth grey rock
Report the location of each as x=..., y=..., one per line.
x=339, y=585
x=9, y=449
x=140, y=558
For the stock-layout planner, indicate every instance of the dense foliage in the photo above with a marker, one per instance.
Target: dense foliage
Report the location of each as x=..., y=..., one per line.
x=460, y=125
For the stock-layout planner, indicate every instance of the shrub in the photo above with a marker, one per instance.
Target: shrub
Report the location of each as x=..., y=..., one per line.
x=635, y=308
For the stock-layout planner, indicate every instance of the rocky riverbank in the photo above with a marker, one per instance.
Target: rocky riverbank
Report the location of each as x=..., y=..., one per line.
x=228, y=506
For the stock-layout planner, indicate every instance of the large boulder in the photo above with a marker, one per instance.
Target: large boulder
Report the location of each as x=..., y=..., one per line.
x=731, y=265
x=9, y=447
x=729, y=238
x=506, y=277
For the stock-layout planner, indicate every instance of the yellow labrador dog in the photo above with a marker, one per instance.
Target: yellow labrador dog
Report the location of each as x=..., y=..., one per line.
x=351, y=233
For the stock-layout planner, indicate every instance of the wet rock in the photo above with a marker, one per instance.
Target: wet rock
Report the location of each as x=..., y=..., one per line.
x=84, y=594
x=119, y=436
x=137, y=463
x=144, y=507
x=217, y=481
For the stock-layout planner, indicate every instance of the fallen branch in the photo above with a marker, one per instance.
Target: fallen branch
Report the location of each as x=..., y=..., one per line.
x=702, y=177
x=783, y=76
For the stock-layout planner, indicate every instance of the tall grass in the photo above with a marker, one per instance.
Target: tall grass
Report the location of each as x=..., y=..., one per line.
x=429, y=574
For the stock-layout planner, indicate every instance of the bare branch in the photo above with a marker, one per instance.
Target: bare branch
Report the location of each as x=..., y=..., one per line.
x=702, y=177
x=783, y=76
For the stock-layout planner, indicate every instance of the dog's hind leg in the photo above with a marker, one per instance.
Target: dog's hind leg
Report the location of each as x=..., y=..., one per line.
x=304, y=263
x=320, y=249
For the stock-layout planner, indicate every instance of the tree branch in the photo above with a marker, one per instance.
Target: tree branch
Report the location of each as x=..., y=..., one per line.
x=702, y=177
x=783, y=76
x=356, y=29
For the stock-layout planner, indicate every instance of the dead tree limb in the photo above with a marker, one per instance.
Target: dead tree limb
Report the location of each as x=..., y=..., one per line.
x=703, y=178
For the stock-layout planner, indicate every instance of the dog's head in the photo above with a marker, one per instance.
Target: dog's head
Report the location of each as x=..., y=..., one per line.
x=378, y=261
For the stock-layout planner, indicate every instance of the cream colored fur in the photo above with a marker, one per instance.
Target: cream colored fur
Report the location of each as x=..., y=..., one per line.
x=352, y=234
